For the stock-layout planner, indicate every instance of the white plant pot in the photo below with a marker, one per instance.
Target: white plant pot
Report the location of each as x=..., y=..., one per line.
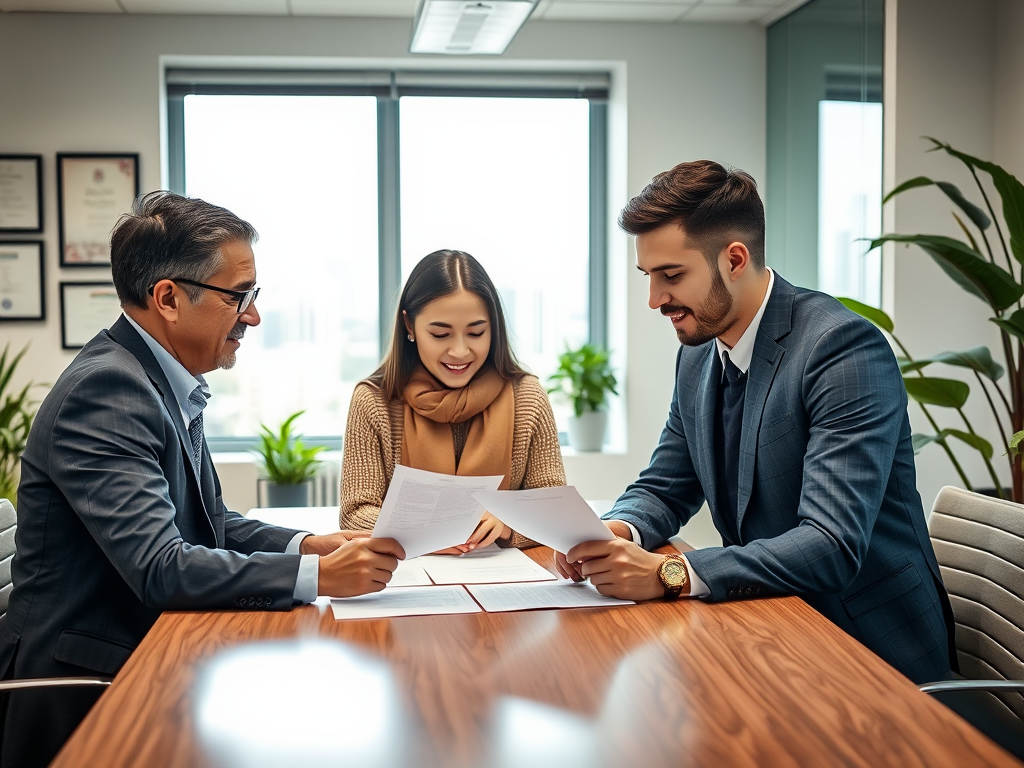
x=586, y=432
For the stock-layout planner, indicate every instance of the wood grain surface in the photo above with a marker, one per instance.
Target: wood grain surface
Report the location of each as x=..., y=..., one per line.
x=765, y=682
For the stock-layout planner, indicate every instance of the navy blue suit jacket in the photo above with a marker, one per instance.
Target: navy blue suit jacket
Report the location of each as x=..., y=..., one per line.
x=827, y=507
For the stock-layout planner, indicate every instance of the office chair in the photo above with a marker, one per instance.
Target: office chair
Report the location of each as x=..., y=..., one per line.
x=979, y=543
x=8, y=525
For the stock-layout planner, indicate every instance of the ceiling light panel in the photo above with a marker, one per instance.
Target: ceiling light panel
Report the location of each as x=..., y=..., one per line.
x=461, y=27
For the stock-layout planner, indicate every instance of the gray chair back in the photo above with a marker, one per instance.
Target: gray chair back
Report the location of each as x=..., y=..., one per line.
x=979, y=543
x=8, y=524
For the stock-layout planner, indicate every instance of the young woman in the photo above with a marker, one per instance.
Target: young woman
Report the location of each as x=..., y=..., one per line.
x=449, y=397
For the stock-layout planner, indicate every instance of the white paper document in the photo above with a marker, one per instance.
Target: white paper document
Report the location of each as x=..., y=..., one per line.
x=489, y=565
x=523, y=597
x=409, y=573
x=426, y=511
x=408, y=601
x=556, y=517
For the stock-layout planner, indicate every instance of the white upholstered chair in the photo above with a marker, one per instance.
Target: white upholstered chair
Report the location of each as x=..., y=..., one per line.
x=979, y=543
x=8, y=525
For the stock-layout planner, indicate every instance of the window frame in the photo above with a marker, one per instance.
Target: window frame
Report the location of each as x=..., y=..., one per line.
x=388, y=87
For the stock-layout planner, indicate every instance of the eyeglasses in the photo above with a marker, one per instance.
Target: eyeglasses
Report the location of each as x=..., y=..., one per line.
x=245, y=298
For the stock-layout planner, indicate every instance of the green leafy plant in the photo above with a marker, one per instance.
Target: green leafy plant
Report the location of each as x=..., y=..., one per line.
x=286, y=461
x=17, y=410
x=993, y=273
x=931, y=391
x=584, y=376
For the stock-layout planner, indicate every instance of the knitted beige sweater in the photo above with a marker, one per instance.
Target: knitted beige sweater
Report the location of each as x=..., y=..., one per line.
x=373, y=446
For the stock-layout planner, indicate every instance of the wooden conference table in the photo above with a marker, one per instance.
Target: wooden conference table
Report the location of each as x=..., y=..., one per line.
x=765, y=682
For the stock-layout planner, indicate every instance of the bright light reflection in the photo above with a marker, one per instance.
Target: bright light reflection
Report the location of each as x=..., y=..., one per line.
x=526, y=733
x=310, y=703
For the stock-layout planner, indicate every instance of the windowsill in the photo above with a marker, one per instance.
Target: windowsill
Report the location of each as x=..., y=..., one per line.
x=246, y=457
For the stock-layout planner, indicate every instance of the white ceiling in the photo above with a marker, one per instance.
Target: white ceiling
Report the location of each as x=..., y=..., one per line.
x=734, y=11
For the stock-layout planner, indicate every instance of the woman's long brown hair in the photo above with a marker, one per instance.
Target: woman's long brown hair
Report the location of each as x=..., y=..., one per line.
x=441, y=274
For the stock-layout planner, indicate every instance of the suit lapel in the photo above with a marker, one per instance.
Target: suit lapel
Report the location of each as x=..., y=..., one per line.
x=124, y=334
x=776, y=323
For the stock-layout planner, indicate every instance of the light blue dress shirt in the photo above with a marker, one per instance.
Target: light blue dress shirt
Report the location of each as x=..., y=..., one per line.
x=182, y=384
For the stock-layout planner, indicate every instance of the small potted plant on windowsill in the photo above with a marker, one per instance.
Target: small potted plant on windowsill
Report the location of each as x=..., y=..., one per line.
x=585, y=377
x=288, y=465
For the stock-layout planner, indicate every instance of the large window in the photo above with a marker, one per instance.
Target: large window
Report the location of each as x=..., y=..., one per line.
x=824, y=186
x=351, y=178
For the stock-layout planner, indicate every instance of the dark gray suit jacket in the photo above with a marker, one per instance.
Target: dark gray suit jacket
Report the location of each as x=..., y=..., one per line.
x=827, y=506
x=114, y=527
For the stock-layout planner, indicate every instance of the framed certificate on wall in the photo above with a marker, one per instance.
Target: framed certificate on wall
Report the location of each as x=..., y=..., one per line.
x=22, y=288
x=93, y=190
x=21, y=193
x=85, y=310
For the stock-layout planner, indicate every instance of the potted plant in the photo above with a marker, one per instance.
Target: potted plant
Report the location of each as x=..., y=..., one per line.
x=287, y=464
x=16, y=414
x=585, y=377
x=993, y=273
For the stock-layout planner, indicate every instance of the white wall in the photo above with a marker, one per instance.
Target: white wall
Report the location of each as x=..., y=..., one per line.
x=954, y=71
x=91, y=83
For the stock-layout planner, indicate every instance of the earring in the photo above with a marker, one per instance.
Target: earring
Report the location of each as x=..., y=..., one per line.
x=409, y=335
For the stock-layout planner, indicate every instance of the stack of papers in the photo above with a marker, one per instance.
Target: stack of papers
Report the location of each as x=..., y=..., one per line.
x=490, y=565
x=426, y=512
x=495, y=598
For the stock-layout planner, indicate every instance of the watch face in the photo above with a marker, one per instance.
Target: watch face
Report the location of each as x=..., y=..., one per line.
x=673, y=572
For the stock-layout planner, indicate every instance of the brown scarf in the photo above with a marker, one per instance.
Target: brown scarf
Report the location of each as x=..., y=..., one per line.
x=486, y=402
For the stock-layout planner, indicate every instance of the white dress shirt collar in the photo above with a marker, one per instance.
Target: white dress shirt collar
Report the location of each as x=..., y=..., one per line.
x=741, y=354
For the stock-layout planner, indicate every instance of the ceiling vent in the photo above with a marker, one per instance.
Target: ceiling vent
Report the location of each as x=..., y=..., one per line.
x=463, y=28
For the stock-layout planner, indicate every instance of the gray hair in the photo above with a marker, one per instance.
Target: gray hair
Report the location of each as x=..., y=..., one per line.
x=167, y=236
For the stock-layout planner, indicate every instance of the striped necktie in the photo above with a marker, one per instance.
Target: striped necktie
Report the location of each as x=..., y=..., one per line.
x=195, y=427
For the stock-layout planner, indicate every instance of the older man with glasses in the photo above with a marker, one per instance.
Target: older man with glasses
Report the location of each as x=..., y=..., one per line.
x=120, y=514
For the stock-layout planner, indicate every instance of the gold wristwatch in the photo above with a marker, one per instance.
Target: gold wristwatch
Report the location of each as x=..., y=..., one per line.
x=673, y=576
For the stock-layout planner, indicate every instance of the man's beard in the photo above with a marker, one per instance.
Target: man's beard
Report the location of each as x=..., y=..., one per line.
x=714, y=318
x=227, y=359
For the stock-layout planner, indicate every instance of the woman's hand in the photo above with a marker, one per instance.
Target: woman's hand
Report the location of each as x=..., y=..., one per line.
x=487, y=530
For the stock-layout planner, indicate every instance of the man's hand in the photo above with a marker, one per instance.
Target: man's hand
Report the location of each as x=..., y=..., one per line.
x=359, y=566
x=324, y=545
x=619, y=568
x=573, y=570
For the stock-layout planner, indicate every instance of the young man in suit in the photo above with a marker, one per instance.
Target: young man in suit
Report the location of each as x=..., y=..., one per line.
x=120, y=514
x=789, y=417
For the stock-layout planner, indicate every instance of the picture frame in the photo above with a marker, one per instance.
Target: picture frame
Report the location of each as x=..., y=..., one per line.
x=21, y=194
x=93, y=191
x=22, y=281
x=85, y=310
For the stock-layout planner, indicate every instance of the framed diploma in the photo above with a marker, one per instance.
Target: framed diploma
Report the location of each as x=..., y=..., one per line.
x=85, y=310
x=92, y=193
x=21, y=193
x=21, y=281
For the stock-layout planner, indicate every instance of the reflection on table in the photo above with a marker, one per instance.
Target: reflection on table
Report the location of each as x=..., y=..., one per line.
x=760, y=682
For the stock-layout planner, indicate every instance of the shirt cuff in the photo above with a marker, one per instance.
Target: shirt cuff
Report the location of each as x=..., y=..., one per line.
x=294, y=545
x=697, y=586
x=308, y=580
x=634, y=534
